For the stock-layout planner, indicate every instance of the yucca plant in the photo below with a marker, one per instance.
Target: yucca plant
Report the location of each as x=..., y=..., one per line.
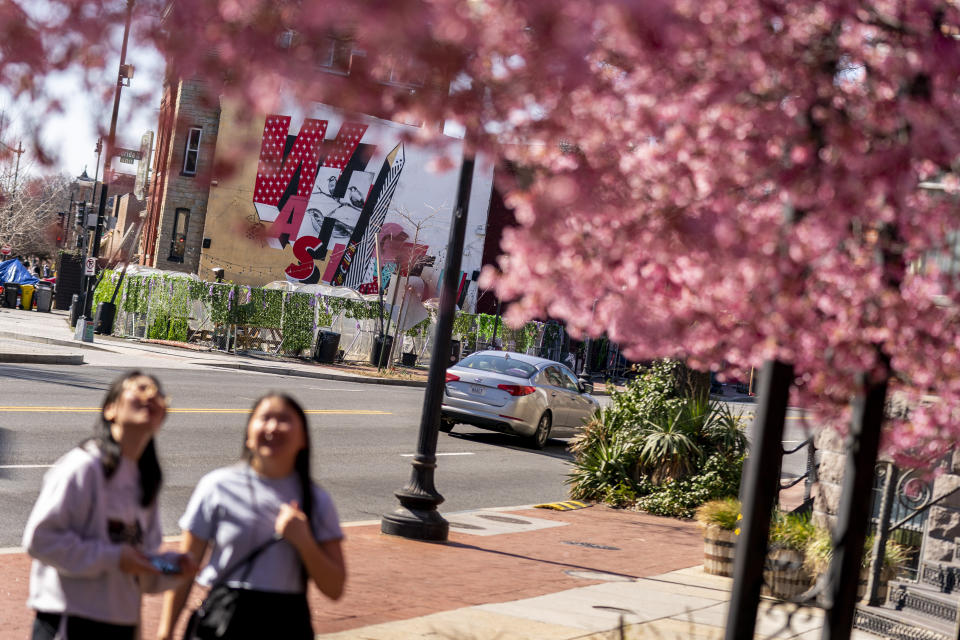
x=608, y=464
x=668, y=447
x=724, y=430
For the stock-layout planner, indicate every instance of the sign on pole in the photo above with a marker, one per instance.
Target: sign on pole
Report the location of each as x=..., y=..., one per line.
x=90, y=266
x=5, y=250
x=128, y=156
x=143, y=168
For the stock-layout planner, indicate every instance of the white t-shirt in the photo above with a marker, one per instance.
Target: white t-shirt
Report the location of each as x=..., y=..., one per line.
x=234, y=508
x=75, y=534
x=122, y=504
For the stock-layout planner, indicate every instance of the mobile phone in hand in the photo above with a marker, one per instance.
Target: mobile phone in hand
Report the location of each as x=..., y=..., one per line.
x=165, y=565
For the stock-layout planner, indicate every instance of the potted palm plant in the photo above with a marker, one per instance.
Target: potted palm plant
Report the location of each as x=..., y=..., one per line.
x=720, y=520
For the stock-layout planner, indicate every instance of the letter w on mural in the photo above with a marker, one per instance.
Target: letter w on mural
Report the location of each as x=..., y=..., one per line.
x=320, y=197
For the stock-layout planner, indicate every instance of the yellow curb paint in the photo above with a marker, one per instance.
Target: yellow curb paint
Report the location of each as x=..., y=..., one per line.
x=361, y=412
x=569, y=505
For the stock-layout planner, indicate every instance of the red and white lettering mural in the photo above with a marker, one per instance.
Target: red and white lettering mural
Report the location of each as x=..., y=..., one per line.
x=329, y=192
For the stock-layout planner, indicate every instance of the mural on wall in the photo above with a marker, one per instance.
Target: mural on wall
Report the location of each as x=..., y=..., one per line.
x=323, y=197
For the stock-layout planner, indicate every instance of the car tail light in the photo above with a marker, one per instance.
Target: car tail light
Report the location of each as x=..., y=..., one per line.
x=451, y=377
x=516, y=389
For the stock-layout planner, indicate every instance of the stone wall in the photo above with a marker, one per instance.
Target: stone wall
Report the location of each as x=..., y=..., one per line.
x=940, y=545
x=832, y=449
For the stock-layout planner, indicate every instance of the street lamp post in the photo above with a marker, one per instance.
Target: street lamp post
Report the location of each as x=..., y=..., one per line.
x=417, y=517
x=122, y=74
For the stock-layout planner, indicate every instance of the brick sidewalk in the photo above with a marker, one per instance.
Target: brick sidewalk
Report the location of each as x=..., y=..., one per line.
x=395, y=579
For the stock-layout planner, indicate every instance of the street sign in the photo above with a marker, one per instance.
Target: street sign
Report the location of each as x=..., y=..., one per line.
x=90, y=266
x=5, y=250
x=143, y=168
x=128, y=156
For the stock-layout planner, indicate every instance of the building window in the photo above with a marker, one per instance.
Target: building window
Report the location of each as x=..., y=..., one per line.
x=178, y=242
x=401, y=71
x=334, y=55
x=192, y=152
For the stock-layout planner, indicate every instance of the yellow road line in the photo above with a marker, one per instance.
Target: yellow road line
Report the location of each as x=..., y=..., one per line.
x=356, y=412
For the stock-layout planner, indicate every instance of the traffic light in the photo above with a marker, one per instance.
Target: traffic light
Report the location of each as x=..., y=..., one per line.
x=81, y=213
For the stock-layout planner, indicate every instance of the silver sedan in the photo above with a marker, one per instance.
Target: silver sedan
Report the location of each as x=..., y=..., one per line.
x=516, y=393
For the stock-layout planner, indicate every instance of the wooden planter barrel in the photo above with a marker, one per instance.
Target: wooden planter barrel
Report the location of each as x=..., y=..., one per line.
x=784, y=575
x=718, y=546
x=862, y=584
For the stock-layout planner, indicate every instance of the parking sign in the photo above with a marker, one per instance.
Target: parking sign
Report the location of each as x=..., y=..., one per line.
x=90, y=266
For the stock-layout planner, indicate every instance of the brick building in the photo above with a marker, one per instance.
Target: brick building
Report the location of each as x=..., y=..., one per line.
x=177, y=199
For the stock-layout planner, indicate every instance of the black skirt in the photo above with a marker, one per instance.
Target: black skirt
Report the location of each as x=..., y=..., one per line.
x=268, y=614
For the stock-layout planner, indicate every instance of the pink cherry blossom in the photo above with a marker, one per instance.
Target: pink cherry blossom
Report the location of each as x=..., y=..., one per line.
x=723, y=180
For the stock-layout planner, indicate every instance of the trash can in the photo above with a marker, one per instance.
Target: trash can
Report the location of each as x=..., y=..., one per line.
x=10, y=292
x=44, y=296
x=408, y=359
x=328, y=342
x=26, y=297
x=381, y=350
x=75, y=309
x=103, y=321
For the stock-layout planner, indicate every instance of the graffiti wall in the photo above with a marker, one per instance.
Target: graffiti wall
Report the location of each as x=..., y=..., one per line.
x=339, y=200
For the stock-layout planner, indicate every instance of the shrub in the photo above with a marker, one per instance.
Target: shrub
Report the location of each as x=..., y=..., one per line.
x=723, y=513
x=668, y=453
x=819, y=552
x=791, y=531
x=606, y=463
x=718, y=477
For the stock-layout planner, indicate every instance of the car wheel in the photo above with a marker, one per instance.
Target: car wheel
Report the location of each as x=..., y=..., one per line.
x=446, y=425
x=539, y=438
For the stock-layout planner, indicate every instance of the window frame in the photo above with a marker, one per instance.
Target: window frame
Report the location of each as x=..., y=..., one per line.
x=187, y=151
x=180, y=213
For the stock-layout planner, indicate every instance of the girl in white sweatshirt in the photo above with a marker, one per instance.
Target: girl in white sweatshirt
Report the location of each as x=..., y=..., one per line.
x=96, y=523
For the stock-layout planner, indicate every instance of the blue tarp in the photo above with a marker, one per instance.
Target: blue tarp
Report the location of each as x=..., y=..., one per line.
x=13, y=271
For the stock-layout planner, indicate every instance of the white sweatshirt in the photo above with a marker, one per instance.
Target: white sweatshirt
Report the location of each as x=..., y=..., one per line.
x=76, y=565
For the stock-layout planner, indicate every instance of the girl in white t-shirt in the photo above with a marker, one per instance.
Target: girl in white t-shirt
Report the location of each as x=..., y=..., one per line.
x=96, y=522
x=237, y=509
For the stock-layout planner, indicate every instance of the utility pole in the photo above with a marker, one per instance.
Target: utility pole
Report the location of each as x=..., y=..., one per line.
x=123, y=73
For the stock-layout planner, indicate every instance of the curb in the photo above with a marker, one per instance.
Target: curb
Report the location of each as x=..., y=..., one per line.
x=78, y=344
x=40, y=358
x=242, y=366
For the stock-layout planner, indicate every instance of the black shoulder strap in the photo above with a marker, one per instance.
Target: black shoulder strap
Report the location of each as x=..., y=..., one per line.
x=247, y=559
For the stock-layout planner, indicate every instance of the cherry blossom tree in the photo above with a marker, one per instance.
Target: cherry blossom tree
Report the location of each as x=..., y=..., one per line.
x=729, y=180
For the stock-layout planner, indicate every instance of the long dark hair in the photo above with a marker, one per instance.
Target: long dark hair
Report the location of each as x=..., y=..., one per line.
x=301, y=465
x=150, y=475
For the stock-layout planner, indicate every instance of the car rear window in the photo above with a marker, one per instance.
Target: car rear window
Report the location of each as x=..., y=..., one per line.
x=498, y=364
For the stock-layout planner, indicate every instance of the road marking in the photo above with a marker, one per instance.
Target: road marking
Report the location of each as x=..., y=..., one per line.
x=352, y=412
x=25, y=466
x=459, y=453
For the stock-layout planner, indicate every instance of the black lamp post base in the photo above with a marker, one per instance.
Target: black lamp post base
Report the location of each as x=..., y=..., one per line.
x=416, y=524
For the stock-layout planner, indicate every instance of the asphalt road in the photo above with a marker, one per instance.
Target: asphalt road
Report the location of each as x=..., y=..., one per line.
x=364, y=436
x=363, y=441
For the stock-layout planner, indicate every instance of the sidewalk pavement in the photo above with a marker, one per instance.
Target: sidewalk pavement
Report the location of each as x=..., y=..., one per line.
x=25, y=335
x=513, y=574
